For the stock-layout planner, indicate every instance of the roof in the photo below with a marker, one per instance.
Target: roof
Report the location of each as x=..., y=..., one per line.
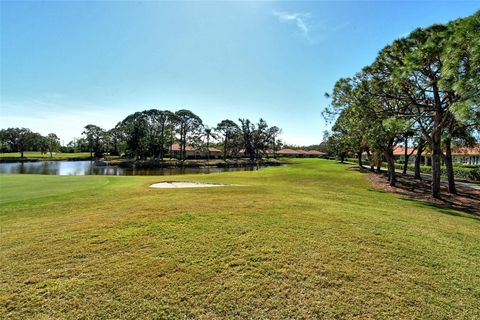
x=472, y=151
x=315, y=152
x=176, y=147
x=400, y=151
x=301, y=151
x=467, y=151
x=292, y=151
x=287, y=151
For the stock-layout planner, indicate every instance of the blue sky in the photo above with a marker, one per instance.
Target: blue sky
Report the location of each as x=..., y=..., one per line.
x=67, y=64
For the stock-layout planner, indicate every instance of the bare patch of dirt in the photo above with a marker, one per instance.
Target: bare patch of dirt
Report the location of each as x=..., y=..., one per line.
x=467, y=199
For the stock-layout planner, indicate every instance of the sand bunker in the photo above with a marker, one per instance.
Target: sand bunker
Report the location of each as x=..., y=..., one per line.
x=168, y=185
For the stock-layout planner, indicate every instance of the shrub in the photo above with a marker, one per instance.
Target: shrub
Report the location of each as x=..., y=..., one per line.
x=462, y=172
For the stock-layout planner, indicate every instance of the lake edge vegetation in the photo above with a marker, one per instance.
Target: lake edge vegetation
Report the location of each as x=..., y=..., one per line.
x=152, y=134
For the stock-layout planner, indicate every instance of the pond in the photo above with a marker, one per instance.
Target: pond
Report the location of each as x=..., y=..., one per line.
x=83, y=168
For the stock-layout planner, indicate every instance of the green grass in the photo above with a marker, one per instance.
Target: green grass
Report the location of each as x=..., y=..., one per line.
x=43, y=156
x=309, y=241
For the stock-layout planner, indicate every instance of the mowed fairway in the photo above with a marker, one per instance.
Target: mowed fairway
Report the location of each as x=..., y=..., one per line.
x=311, y=240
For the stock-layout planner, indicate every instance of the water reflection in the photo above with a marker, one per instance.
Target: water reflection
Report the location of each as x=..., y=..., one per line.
x=82, y=168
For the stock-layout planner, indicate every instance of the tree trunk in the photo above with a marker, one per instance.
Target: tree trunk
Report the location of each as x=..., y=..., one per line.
x=391, y=167
x=342, y=157
x=183, y=145
x=436, y=143
x=208, y=148
x=360, y=164
x=160, y=156
x=406, y=156
x=418, y=160
x=436, y=163
x=225, y=149
x=170, y=148
x=369, y=155
x=184, y=155
x=449, y=165
x=162, y=143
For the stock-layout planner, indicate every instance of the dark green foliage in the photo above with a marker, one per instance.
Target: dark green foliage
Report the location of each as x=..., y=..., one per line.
x=94, y=136
x=259, y=139
x=232, y=138
x=424, y=87
x=464, y=172
x=23, y=139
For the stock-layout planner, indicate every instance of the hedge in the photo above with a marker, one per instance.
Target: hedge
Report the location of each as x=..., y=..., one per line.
x=460, y=171
x=468, y=173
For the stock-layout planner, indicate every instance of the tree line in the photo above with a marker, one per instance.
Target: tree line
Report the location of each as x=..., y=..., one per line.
x=423, y=89
x=23, y=139
x=150, y=134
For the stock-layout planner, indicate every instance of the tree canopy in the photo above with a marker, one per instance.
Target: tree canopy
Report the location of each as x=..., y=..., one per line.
x=423, y=87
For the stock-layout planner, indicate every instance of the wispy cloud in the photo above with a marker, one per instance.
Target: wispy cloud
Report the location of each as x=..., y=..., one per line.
x=299, y=19
x=313, y=32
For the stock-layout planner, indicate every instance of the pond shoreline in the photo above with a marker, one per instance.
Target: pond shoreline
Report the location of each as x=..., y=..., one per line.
x=121, y=167
x=154, y=164
x=20, y=160
x=150, y=164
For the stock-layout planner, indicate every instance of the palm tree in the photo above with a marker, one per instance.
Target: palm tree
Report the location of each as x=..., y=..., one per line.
x=208, y=133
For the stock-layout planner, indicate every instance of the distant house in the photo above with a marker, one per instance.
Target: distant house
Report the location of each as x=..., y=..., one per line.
x=467, y=155
x=315, y=153
x=302, y=153
x=470, y=155
x=291, y=153
x=288, y=153
x=194, y=152
x=399, y=154
x=269, y=153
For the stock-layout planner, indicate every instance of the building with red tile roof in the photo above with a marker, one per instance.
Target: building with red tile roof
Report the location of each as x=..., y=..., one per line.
x=300, y=153
x=316, y=153
x=195, y=152
x=466, y=155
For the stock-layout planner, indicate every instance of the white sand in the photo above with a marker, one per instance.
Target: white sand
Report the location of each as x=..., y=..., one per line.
x=167, y=185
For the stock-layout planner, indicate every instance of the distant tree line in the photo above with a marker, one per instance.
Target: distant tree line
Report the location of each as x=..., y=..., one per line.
x=422, y=91
x=150, y=134
x=318, y=147
x=23, y=139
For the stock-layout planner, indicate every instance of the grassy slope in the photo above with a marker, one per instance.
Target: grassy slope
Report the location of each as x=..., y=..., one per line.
x=311, y=240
